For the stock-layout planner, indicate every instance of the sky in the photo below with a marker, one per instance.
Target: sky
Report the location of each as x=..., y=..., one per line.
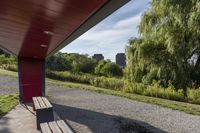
x=111, y=36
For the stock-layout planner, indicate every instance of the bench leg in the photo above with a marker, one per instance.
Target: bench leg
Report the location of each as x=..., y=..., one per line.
x=33, y=107
x=44, y=115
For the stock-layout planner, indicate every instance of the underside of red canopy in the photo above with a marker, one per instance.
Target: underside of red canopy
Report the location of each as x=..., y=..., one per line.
x=35, y=29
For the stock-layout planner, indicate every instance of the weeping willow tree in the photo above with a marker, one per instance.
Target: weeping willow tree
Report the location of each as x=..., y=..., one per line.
x=169, y=44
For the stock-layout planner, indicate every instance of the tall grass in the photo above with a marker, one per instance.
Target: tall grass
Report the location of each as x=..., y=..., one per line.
x=156, y=90
x=153, y=90
x=194, y=96
x=109, y=83
x=10, y=67
x=68, y=76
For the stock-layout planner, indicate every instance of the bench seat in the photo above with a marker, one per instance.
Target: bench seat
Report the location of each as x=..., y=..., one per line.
x=41, y=103
x=55, y=127
x=44, y=110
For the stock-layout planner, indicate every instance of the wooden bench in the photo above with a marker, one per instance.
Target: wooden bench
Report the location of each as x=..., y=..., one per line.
x=55, y=127
x=44, y=110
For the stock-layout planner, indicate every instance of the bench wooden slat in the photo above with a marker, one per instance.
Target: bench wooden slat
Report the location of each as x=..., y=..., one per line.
x=64, y=127
x=43, y=111
x=45, y=128
x=36, y=104
x=48, y=104
x=54, y=127
x=42, y=105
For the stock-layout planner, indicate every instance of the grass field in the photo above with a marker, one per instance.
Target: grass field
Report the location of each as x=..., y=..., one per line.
x=181, y=106
x=7, y=102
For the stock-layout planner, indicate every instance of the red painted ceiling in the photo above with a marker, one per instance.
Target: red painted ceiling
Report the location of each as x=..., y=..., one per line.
x=34, y=28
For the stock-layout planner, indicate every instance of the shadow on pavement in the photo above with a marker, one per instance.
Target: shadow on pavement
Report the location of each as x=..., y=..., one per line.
x=3, y=122
x=99, y=122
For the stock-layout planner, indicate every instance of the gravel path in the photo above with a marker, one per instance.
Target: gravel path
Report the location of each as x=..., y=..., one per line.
x=88, y=111
x=8, y=85
x=99, y=113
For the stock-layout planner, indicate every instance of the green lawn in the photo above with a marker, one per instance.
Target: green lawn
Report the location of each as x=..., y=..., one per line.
x=185, y=107
x=7, y=102
x=8, y=73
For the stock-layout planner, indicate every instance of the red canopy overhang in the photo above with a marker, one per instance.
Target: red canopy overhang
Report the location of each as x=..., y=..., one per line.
x=34, y=29
x=38, y=28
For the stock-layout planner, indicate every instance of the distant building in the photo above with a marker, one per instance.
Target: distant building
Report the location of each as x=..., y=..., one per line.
x=121, y=60
x=98, y=57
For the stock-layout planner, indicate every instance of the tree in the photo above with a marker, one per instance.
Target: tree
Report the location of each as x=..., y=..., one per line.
x=82, y=63
x=71, y=62
x=58, y=62
x=169, y=39
x=107, y=68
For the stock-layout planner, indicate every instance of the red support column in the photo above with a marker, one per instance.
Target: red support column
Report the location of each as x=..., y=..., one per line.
x=31, y=78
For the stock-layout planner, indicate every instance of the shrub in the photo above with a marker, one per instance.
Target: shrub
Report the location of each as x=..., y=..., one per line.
x=108, y=69
x=137, y=88
x=113, y=83
x=109, y=83
x=12, y=68
x=7, y=60
x=156, y=90
x=153, y=90
x=58, y=62
x=194, y=96
x=68, y=76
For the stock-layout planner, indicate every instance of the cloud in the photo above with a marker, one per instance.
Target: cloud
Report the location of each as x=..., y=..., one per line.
x=128, y=23
x=121, y=30
x=111, y=35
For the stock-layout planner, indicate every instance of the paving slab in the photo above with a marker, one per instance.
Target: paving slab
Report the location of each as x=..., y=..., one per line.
x=21, y=119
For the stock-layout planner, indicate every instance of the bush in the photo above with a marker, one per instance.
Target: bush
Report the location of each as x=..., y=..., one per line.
x=137, y=88
x=108, y=69
x=109, y=83
x=194, y=96
x=7, y=60
x=58, y=62
x=8, y=63
x=153, y=90
x=156, y=90
x=113, y=83
x=10, y=67
x=68, y=76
